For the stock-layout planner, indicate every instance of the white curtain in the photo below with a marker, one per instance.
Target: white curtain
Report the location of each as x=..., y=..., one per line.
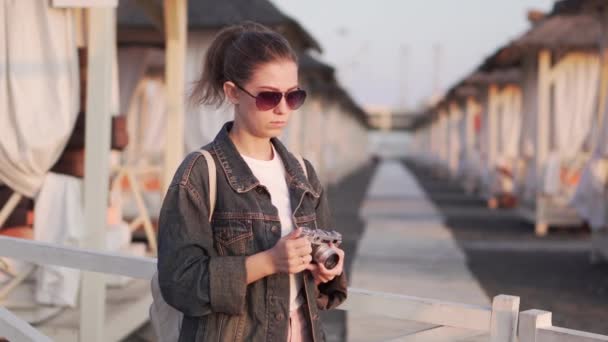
x=146, y=120
x=133, y=62
x=590, y=198
x=576, y=89
x=463, y=143
x=510, y=123
x=574, y=102
x=454, y=118
x=39, y=90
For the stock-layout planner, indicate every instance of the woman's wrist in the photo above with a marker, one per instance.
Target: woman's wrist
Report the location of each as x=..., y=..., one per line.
x=267, y=259
x=259, y=265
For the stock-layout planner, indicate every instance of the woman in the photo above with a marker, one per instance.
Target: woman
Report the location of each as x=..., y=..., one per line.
x=247, y=275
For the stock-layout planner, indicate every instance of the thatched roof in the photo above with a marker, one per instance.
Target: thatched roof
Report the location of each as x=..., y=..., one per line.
x=562, y=32
x=319, y=77
x=567, y=27
x=566, y=7
x=307, y=62
x=499, y=76
x=571, y=25
x=209, y=14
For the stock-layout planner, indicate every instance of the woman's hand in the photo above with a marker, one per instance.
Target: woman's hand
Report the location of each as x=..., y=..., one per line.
x=291, y=254
x=322, y=274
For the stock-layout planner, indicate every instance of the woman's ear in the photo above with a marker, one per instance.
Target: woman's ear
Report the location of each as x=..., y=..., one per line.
x=231, y=92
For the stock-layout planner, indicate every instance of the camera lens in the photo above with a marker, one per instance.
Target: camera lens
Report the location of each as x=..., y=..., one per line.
x=332, y=261
x=325, y=255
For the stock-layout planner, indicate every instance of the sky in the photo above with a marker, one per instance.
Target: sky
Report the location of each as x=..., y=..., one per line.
x=385, y=51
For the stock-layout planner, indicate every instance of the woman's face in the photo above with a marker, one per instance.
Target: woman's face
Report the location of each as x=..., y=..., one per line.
x=279, y=75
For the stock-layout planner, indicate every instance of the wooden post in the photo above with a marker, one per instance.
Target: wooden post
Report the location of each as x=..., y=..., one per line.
x=175, y=36
x=445, y=136
x=503, y=326
x=101, y=51
x=542, y=116
x=542, y=134
x=9, y=206
x=530, y=321
x=492, y=134
x=455, y=147
x=470, y=125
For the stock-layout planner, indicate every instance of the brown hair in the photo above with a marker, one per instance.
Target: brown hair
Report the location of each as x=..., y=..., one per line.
x=233, y=56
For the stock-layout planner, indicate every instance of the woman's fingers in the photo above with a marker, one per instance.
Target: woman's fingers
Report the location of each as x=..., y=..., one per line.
x=298, y=242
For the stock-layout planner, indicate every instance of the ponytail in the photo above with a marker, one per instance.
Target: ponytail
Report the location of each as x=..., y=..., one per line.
x=233, y=56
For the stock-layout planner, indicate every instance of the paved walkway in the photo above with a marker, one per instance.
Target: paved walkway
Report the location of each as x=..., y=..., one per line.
x=406, y=249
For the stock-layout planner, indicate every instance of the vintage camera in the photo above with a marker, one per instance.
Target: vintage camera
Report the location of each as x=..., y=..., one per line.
x=322, y=253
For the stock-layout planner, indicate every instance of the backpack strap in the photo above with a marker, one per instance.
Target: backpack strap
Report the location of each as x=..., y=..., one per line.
x=302, y=164
x=212, y=180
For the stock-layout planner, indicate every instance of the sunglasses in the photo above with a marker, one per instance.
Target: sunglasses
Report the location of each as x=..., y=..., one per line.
x=267, y=100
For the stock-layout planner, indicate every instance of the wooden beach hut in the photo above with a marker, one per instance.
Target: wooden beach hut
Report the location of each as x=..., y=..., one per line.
x=560, y=68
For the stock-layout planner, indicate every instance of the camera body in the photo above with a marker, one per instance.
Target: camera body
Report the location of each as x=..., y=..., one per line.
x=322, y=253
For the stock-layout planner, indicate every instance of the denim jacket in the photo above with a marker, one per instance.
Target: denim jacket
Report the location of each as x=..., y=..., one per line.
x=201, y=266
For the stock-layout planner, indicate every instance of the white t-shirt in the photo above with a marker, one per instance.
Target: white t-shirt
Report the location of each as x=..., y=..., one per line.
x=271, y=174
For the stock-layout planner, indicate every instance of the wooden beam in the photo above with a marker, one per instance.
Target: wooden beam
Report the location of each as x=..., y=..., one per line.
x=175, y=35
x=492, y=119
x=84, y=3
x=9, y=207
x=473, y=107
x=154, y=11
x=101, y=51
x=543, y=113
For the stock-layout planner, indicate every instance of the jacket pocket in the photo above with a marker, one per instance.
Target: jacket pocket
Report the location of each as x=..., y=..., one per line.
x=233, y=237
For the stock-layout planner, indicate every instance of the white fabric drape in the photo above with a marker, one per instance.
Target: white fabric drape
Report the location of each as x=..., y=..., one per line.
x=39, y=90
x=59, y=218
x=576, y=90
x=146, y=120
x=591, y=196
x=510, y=124
x=133, y=62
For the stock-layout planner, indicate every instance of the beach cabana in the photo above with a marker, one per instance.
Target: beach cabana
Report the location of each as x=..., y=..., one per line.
x=560, y=78
x=74, y=71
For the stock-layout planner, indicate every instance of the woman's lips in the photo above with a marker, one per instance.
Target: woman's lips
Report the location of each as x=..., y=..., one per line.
x=277, y=123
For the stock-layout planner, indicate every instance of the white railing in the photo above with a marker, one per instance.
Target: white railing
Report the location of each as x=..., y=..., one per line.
x=86, y=260
x=500, y=321
x=15, y=329
x=536, y=326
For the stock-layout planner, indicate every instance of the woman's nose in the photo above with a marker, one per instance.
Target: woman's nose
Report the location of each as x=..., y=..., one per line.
x=282, y=107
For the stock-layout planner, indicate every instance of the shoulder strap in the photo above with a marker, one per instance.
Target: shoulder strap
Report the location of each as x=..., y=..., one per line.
x=302, y=164
x=212, y=180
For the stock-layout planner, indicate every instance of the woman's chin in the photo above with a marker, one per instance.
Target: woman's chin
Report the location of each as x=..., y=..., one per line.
x=274, y=131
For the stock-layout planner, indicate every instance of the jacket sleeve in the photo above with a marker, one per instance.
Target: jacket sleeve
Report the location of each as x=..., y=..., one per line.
x=334, y=292
x=192, y=277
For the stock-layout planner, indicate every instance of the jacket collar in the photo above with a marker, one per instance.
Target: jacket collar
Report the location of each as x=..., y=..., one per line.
x=239, y=175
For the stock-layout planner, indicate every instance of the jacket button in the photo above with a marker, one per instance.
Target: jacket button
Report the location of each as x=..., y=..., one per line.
x=279, y=316
x=274, y=229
